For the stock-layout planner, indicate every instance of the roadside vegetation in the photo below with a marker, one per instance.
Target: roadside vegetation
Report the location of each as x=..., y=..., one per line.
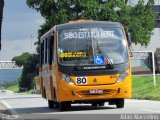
x=15, y=89
x=30, y=70
x=143, y=88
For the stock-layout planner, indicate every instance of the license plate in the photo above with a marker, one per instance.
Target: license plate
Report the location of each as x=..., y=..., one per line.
x=96, y=91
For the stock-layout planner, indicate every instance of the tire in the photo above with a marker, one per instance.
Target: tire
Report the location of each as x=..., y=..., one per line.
x=63, y=106
x=94, y=104
x=120, y=103
x=51, y=104
x=101, y=103
x=56, y=105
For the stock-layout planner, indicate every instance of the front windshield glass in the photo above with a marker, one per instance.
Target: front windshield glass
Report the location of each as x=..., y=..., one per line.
x=92, y=46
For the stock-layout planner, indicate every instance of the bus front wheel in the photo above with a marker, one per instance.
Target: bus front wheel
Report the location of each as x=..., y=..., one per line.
x=101, y=103
x=120, y=103
x=63, y=106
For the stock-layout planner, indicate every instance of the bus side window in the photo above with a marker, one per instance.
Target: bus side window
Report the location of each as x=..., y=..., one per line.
x=51, y=49
x=46, y=53
x=41, y=53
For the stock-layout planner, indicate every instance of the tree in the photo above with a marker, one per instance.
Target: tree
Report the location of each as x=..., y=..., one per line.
x=138, y=19
x=30, y=69
x=1, y=16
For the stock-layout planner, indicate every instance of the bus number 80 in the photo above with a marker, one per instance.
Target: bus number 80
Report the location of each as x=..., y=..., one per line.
x=81, y=80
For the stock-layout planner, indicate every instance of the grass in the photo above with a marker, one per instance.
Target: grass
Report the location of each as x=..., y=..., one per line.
x=143, y=88
x=28, y=92
x=15, y=89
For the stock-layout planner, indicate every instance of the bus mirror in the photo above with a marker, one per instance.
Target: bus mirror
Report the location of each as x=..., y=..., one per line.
x=128, y=36
x=129, y=39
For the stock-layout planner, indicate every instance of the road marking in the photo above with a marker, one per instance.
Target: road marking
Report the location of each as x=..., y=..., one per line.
x=10, y=109
x=137, y=100
x=149, y=110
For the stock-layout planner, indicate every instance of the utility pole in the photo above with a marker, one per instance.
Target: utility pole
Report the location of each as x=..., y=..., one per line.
x=1, y=17
x=1, y=78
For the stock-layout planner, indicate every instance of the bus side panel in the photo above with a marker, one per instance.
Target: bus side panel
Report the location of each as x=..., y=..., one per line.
x=44, y=82
x=52, y=83
x=41, y=82
x=48, y=82
x=56, y=84
x=51, y=88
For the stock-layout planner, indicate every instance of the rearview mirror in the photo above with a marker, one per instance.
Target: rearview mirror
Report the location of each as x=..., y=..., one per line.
x=128, y=36
x=129, y=39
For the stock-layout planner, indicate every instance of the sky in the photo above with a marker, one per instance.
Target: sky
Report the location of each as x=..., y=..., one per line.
x=19, y=29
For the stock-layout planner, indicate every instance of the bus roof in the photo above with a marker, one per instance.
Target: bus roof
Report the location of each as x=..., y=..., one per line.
x=81, y=25
x=88, y=24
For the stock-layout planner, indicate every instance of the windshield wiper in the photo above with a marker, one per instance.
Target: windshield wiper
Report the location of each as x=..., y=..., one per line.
x=77, y=64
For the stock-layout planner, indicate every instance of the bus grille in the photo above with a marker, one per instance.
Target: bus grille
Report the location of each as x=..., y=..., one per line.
x=105, y=92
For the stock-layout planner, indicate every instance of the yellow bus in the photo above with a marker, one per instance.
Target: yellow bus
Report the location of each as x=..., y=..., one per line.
x=85, y=62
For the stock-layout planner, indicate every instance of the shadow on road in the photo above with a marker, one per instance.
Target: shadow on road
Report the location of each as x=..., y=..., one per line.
x=55, y=110
x=87, y=107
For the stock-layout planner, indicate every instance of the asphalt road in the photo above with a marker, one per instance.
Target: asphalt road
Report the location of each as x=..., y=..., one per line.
x=34, y=107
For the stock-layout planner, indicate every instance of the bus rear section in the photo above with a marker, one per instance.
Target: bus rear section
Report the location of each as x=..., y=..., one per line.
x=91, y=65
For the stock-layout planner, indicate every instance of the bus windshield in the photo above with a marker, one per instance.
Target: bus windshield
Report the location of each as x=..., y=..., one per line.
x=92, y=46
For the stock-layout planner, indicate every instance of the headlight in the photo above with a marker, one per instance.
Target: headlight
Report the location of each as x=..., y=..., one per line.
x=123, y=76
x=67, y=79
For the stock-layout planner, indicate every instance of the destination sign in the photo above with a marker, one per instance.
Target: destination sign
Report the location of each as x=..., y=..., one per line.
x=72, y=54
x=86, y=34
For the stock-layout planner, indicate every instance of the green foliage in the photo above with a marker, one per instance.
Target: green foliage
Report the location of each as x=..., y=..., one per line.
x=22, y=59
x=138, y=19
x=30, y=69
x=13, y=88
x=143, y=87
x=157, y=52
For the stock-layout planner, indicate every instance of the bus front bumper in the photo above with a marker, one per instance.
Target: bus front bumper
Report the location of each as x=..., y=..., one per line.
x=71, y=92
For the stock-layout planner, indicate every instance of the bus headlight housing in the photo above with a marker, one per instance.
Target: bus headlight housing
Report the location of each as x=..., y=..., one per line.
x=67, y=79
x=122, y=76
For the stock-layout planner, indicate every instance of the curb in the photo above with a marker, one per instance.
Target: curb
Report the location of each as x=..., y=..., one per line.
x=2, y=109
x=10, y=112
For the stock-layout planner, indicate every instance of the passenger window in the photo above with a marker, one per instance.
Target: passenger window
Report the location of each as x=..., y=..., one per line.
x=51, y=49
x=41, y=53
x=46, y=44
